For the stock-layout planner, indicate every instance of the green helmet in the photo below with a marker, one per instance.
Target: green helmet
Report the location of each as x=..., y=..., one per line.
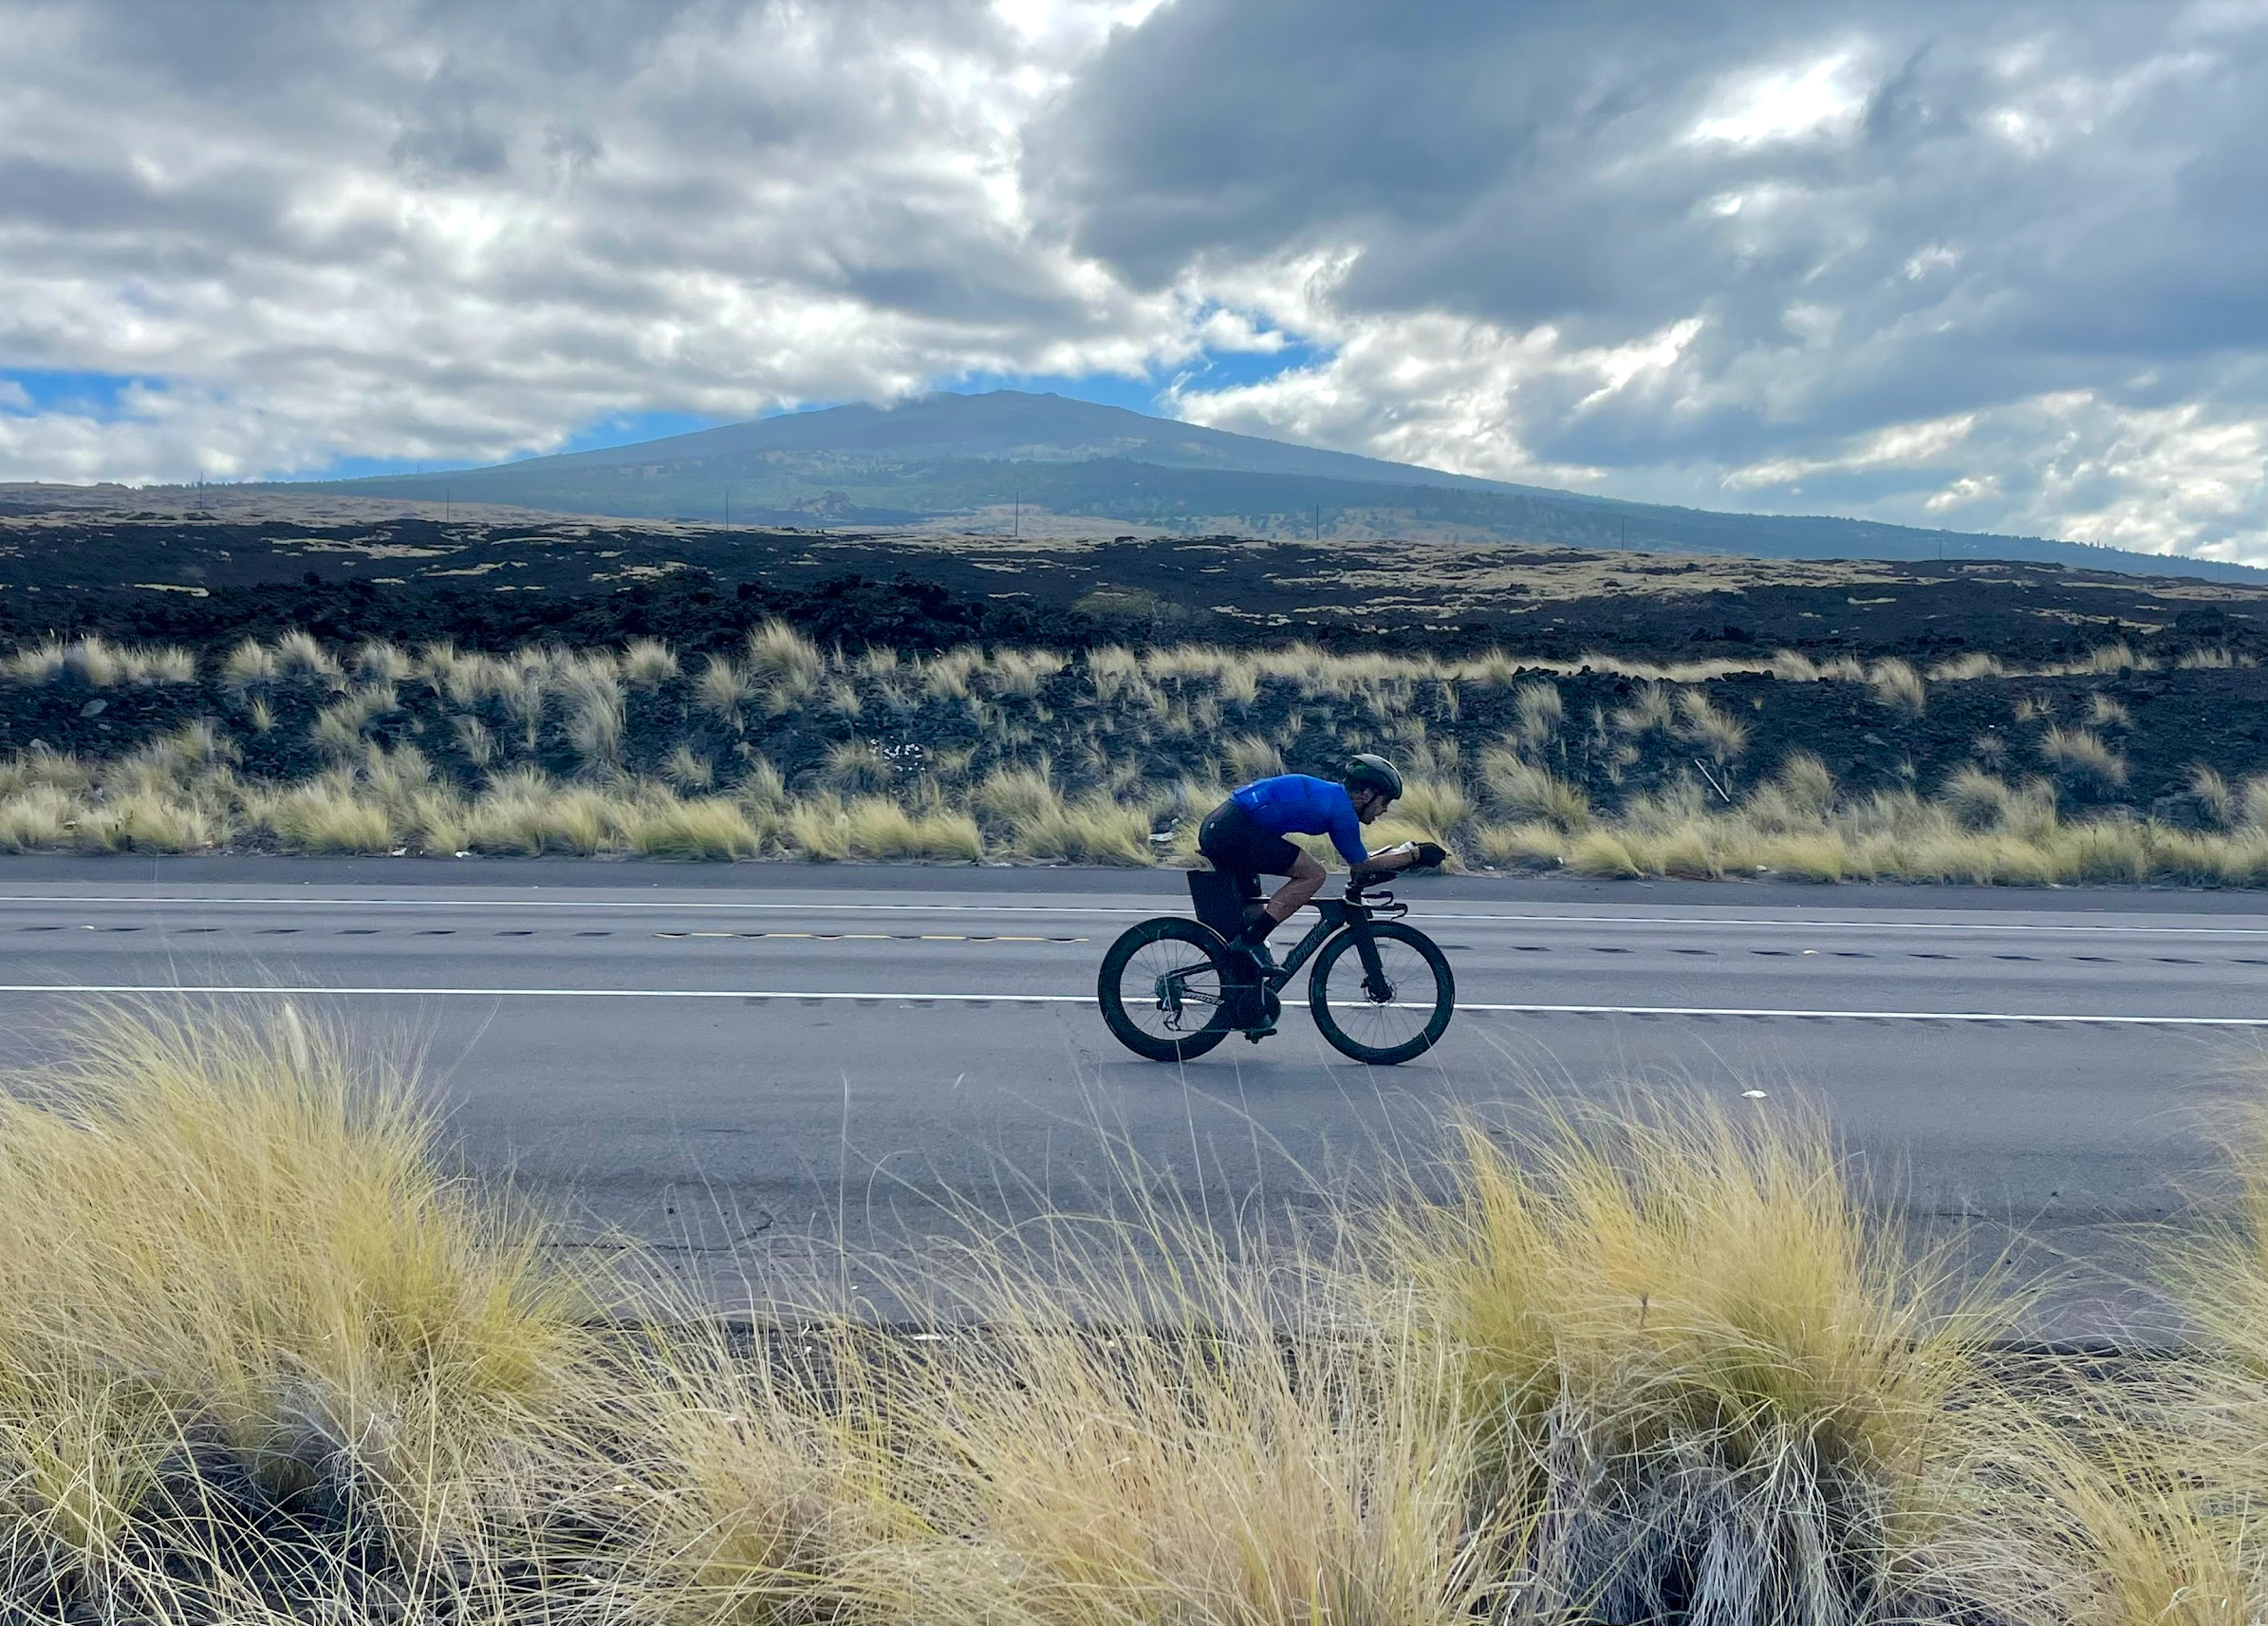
x=1373, y=773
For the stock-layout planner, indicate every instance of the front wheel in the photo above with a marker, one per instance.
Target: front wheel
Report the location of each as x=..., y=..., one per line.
x=1399, y=1012
x=1164, y=989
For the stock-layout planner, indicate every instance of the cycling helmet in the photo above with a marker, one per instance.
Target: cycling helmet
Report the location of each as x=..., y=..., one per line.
x=1375, y=772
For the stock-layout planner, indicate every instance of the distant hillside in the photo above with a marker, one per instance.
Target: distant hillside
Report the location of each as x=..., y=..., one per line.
x=974, y=459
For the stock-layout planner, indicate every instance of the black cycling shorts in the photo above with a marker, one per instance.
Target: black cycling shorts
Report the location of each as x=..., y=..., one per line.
x=1238, y=847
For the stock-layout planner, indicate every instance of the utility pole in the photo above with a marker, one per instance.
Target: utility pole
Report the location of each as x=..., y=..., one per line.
x=1019, y=489
x=448, y=503
x=728, y=507
x=1318, y=525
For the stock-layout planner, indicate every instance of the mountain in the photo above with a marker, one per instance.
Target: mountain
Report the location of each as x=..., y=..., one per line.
x=1007, y=426
x=1073, y=467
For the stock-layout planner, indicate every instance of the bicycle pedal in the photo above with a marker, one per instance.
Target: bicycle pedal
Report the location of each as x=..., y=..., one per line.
x=1257, y=1034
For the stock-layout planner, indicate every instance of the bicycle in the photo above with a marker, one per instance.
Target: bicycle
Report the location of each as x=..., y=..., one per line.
x=1381, y=992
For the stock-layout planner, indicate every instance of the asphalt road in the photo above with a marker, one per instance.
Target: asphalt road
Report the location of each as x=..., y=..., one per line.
x=739, y=1065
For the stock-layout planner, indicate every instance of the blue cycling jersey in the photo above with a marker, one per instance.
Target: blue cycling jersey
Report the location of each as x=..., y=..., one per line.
x=1300, y=804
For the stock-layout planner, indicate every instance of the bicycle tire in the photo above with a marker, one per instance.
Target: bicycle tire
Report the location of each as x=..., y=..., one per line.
x=1119, y=963
x=1328, y=1012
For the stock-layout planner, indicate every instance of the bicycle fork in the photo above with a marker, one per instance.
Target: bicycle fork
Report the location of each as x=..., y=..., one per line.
x=1375, y=981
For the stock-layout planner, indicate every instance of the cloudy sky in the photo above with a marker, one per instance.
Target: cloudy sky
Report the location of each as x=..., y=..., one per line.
x=1996, y=268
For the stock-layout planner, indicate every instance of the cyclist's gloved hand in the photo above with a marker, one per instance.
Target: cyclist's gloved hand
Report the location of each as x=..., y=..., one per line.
x=1431, y=855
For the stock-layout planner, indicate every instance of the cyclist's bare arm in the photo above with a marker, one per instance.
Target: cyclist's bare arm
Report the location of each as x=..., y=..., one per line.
x=1409, y=854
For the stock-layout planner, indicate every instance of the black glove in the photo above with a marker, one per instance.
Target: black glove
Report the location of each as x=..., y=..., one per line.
x=1431, y=855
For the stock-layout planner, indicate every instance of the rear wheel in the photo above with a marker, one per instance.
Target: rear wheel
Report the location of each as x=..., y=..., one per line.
x=1399, y=1013
x=1164, y=989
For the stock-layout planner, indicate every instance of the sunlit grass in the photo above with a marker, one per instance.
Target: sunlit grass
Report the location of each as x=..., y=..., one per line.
x=1050, y=757
x=267, y=1359
x=228, y=1250
x=1978, y=830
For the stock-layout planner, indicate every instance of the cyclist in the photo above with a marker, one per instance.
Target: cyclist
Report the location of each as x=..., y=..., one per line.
x=1244, y=838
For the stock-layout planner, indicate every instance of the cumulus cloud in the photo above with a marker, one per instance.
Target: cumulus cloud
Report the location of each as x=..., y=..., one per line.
x=1993, y=267
x=1858, y=221
x=410, y=229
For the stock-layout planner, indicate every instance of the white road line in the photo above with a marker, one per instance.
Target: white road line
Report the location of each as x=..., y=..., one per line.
x=225, y=989
x=1163, y=906
x=648, y=904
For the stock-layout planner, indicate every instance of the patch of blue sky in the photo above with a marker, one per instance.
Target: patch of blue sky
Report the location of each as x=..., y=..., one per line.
x=615, y=429
x=1237, y=369
x=67, y=392
x=1210, y=369
x=629, y=428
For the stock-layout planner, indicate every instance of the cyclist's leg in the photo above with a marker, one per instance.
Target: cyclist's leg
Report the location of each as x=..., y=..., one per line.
x=1238, y=850
x=1304, y=880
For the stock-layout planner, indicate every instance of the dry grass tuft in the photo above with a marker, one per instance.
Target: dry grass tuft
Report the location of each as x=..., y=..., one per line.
x=342, y=728
x=1023, y=672
x=2082, y=752
x=1967, y=668
x=1514, y=787
x=1436, y=808
x=297, y=655
x=265, y=1361
x=2213, y=794
x=250, y=662
x=1533, y=845
x=1896, y=684
x=329, y=816
x=1978, y=800
x=379, y=661
x=873, y=827
x=856, y=765
x=1723, y=737
x=710, y=827
x=2214, y=659
x=592, y=691
x=102, y=665
x=649, y=663
x=1541, y=712
x=2106, y=712
x=687, y=770
x=1038, y=822
x=723, y=687
x=1685, y=1334
x=1651, y=710
x=1245, y=757
x=229, y=1258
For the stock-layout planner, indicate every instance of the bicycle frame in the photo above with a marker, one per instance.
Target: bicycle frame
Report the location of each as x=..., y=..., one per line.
x=1336, y=917
x=1352, y=914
